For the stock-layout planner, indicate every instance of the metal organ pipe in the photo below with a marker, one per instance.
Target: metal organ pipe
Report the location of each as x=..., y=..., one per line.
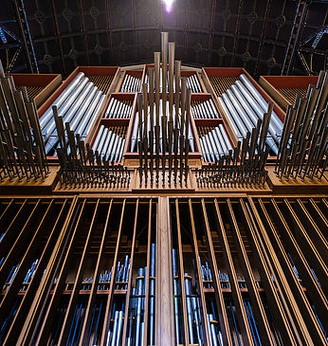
x=78, y=105
x=259, y=111
x=234, y=115
x=260, y=99
x=61, y=98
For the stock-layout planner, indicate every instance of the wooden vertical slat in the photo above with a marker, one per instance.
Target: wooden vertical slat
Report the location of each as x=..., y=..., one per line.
x=223, y=318
x=266, y=269
x=164, y=334
x=111, y=287
x=32, y=288
x=43, y=334
x=304, y=243
x=77, y=282
x=313, y=227
x=254, y=294
x=298, y=293
x=145, y=341
x=30, y=332
x=235, y=291
x=299, y=326
x=320, y=217
x=15, y=248
x=182, y=271
x=9, y=233
x=24, y=264
x=93, y=293
x=199, y=274
x=6, y=209
x=127, y=298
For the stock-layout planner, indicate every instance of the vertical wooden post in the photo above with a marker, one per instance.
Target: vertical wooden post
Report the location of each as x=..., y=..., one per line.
x=164, y=291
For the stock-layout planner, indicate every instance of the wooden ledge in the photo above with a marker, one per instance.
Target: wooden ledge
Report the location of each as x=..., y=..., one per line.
x=296, y=186
x=31, y=187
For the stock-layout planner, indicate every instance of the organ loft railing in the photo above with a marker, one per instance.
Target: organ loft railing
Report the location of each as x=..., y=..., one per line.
x=163, y=271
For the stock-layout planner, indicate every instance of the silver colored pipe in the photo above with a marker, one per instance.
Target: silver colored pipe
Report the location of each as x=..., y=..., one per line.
x=110, y=147
x=125, y=83
x=189, y=311
x=203, y=111
x=106, y=151
x=203, y=149
x=109, y=108
x=242, y=115
x=115, y=327
x=139, y=303
x=79, y=114
x=131, y=84
x=63, y=108
x=71, y=100
x=114, y=108
x=216, y=113
x=119, y=109
x=120, y=154
x=207, y=110
x=61, y=98
x=91, y=112
x=98, y=138
x=113, y=153
x=225, y=140
x=123, y=113
x=171, y=65
x=119, y=328
x=134, y=137
x=240, y=93
x=261, y=100
x=79, y=103
x=50, y=128
x=214, y=341
x=230, y=118
x=273, y=130
x=209, y=145
x=233, y=114
x=215, y=144
x=102, y=141
x=207, y=151
x=118, y=149
x=219, y=142
x=95, y=112
x=245, y=105
x=107, y=134
x=194, y=110
x=212, y=110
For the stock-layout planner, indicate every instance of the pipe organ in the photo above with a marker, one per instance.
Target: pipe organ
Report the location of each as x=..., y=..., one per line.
x=163, y=205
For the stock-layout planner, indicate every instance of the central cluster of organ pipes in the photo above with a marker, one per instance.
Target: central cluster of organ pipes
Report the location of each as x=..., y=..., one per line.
x=162, y=132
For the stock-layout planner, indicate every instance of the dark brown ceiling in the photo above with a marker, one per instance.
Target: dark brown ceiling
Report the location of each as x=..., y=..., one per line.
x=253, y=34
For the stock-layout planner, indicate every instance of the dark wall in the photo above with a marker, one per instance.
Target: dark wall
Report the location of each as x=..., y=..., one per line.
x=249, y=33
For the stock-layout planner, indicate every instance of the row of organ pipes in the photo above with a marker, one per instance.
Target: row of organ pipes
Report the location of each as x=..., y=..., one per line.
x=79, y=105
x=22, y=151
x=244, y=105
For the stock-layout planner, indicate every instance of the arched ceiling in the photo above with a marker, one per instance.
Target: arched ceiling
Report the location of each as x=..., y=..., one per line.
x=250, y=33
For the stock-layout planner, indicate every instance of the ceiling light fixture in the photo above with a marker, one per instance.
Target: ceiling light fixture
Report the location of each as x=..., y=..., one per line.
x=168, y=5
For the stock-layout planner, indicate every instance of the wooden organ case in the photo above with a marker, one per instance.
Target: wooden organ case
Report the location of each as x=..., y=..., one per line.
x=163, y=205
